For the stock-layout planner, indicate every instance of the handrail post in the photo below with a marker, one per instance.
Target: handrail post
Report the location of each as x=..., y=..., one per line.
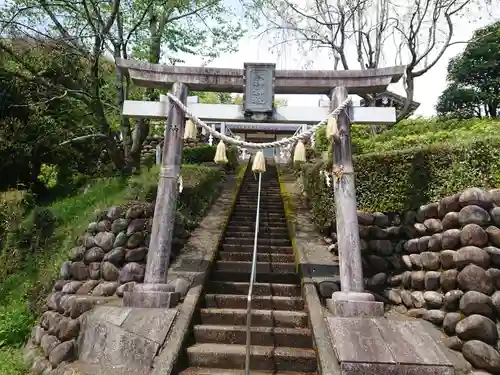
x=252, y=280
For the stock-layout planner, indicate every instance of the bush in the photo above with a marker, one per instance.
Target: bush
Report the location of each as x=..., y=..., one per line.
x=198, y=155
x=423, y=132
x=404, y=180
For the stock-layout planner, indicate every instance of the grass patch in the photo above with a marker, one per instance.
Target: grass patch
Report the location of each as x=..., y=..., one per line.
x=27, y=273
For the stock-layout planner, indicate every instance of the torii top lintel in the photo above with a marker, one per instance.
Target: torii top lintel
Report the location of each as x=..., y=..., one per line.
x=286, y=81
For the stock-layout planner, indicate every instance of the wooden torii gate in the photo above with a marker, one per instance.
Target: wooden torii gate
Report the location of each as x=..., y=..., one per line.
x=259, y=83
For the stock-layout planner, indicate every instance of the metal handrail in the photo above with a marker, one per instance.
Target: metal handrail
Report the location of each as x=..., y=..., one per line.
x=252, y=280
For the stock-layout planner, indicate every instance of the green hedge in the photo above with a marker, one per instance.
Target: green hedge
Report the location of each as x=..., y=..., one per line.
x=402, y=180
x=417, y=131
x=423, y=132
x=202, y=154
x=198, y=155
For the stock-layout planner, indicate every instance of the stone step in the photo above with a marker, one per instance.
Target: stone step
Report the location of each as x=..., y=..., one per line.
x=232, y=248
x=278, y=228
x=234, y=301
x=274, y=204
x=261, y=267
x=280, y=278
x=264, y=215
x=266, y=229
x=247, y=257
x=262, y=241
x=221, y=371
x=262, y=318
x=259, y=289
x=264, y=336
x=266, y=358
x=261, y=234
x=250, y=221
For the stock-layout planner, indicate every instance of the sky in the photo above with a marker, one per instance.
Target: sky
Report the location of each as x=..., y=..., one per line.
x=427, y=88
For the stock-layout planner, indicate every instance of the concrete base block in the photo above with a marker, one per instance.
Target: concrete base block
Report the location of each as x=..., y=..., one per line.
x=371, y=346
x=124, y=338
x=151, y=300
x=353, y=304
x=348, y=309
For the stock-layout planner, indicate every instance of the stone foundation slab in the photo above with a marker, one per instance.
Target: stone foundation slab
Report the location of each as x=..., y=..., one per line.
x=127, y=338
x=382, y=346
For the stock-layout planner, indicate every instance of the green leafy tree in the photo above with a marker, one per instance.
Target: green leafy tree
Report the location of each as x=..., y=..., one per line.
x=460, y=102
x=35, y=118
x=92, y=33
x=474, y=76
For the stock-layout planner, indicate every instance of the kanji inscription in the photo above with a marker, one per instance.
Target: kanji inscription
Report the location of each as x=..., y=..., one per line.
x=259, y=90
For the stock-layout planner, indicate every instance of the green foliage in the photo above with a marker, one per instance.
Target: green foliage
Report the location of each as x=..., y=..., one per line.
x=401, y=180
x=423, y=132
x=474, y=77
x=321, y=142
x=24, y=284
x=198, y=155
x=459, y=102
x=27, y=237
x=11, y=362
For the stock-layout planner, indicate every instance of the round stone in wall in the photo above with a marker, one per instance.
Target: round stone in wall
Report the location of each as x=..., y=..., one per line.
x=473, y=215
x=450, y=322
x=450, y=220
x=446, y=258
x=493, y=235
x=476, y=196
x=494, y=273
x=475, y=278
x=473, y=235
x=435, y=316
x=433, y=225
x=114, y=212
x=495, y=215
x=434, y=300
x=432, y=280
x=430, y=260
x=435, y=243
x=427, y=211
x=94, y=254
x=474, y=302
x=452, y=299
x=494, y=253
x=471, y=255
x=448, y=280
x=119, y=225
x=477, y=327
x=448, y=204
x=482, y=356
x=105, y=240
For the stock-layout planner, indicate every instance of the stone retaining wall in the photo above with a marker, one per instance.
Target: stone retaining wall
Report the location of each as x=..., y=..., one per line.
x=109, y=259
x=441, y=263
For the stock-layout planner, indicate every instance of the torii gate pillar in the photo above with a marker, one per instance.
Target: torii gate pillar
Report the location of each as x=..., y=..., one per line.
x=155, y=292
x=352, y=300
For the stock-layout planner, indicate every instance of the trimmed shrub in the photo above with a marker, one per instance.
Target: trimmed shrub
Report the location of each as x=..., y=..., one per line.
x=198, y=155
x=404, y=180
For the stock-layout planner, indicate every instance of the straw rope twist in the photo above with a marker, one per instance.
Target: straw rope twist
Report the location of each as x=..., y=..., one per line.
x=281, y=142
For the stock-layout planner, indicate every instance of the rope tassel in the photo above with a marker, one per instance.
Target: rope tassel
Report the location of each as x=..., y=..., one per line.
x=190, y=130
x=331, y=127
x=299, y=154
x=220, y=153
x=259, y=163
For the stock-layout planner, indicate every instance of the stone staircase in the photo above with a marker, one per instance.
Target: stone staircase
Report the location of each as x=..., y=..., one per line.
x=281, y=339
